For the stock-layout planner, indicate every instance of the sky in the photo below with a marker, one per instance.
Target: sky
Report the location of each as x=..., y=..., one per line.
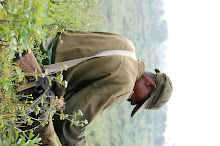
x=193, y=64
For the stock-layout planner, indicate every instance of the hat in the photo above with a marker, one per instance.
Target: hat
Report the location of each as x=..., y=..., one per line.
x=159, y=96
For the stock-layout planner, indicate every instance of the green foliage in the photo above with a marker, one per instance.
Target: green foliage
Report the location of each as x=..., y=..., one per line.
x=24, y=26
x=18, y=139
x=27, y=23
x=40, y=56
x=10, y=75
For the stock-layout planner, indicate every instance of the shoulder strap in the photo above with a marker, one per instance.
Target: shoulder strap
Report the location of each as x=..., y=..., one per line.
x=54, y=68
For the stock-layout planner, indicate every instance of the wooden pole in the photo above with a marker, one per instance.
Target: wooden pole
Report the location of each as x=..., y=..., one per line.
x=29, y=64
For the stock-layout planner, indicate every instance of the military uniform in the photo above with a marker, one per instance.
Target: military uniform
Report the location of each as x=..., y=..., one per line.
x=99, y=82
x=95, y=84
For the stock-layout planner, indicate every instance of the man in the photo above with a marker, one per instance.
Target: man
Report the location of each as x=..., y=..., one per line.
x=100, y=82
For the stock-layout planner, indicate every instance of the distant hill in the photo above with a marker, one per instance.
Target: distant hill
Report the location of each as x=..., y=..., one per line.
x=141, y=22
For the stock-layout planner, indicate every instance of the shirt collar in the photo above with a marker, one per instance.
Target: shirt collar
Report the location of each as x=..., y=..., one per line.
x=141, y=68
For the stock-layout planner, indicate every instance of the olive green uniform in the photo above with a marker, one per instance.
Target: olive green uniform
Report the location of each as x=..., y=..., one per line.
x=95, y=84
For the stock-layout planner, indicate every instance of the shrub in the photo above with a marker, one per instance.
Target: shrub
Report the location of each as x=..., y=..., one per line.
x=24, y=26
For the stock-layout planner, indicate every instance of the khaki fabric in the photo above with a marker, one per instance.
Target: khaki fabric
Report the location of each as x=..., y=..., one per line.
x=96, y=84
x=47, y=134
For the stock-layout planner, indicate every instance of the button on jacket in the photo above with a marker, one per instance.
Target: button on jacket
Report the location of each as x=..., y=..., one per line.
x=95, y=84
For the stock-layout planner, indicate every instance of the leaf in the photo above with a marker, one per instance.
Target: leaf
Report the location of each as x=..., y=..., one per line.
x=1, y=11
x=16, y=136
x=50, y=83
x=11, y=55
x=24, y=33
x=35, y=140
x=12, y=7
x=17, y=25
x=6, y=28
x=13, y=44
x=36, y=77
x=21, y=141
x=31, y=134
x=17, y=15
x=39, y=21
x=18, y=70
x=48, y=21
x=3, y=35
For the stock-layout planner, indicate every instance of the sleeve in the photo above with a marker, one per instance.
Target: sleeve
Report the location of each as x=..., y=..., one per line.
x=91, y=100
x=113, y=87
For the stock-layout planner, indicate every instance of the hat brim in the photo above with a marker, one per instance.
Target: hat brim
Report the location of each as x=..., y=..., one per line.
x=139, y=107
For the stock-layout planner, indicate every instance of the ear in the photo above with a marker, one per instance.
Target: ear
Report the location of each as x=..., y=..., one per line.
x=150, y=85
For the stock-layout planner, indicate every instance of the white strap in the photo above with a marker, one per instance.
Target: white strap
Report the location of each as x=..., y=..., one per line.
x=54, y=68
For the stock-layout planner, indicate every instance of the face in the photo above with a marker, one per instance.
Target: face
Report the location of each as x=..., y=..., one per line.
x=142, y=89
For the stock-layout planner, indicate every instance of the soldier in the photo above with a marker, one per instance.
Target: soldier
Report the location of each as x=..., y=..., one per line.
x=99, y=82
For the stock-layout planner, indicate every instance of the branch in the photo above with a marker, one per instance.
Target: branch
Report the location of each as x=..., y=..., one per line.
x=1, y=20
x=2, y=44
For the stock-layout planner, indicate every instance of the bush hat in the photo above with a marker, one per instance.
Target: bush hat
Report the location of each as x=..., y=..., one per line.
x=159, y=96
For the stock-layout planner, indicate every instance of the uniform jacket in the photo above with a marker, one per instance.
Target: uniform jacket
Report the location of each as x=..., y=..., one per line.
x=96, y=84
